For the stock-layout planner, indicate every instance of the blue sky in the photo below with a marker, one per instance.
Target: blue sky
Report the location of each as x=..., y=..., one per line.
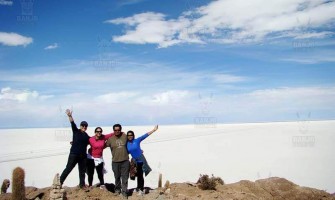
x=167, y=62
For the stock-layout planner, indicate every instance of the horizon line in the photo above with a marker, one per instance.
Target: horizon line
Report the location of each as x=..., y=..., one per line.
x=195, y=124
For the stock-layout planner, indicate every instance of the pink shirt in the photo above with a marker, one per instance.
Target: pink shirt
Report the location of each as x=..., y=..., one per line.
x=97, y=146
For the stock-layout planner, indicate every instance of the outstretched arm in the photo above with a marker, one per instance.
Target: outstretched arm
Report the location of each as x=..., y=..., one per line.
x=69, y=114
x=147, y=134
x=153, y=130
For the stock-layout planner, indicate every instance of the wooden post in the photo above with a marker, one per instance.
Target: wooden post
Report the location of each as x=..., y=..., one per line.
x=160, y=180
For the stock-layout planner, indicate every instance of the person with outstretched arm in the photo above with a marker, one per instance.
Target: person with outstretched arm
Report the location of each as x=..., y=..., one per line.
x=94, y=156
x=80, y=140
x=134, y=148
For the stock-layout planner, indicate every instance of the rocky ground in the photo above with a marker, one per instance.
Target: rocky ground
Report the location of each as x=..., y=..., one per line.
x=271, y=188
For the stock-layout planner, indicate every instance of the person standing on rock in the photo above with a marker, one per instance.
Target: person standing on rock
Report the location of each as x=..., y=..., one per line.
x=120, y=160
x=134, y=148
x=94, y=156
x=80, y=140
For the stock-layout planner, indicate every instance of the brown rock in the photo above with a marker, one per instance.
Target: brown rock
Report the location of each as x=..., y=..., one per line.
x=32, y=193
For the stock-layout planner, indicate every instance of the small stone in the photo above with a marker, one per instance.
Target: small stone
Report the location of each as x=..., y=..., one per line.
x=191, y=184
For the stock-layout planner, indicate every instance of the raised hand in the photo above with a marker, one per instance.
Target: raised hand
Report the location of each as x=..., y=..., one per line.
x=155, y=128
x=68, y=112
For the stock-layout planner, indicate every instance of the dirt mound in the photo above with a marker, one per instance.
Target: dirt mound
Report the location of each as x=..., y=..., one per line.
x=271, y=188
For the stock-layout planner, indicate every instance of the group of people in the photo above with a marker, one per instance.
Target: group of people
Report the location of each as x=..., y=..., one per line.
x=121, y=146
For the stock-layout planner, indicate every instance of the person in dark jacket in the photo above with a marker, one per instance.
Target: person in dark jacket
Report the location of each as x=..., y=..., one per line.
x=80, y=140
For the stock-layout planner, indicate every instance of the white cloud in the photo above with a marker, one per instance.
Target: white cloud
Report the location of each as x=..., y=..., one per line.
x=45, y=97
x=170, y=106
x=307, y=55
x=159, y=98
x=136, y=78
x=21, y=96
x=116, y=97
x=281, y=100
x=231, y=21
x=183, y=105
x=137, y=19
x=170, y=97
x=52, y=46
x=17, y=95
x=14, y=39
x=6, y=3
x=314, y=35
x=151, y=28
x=227, y=78
x=253, y=20
x=279, y=94
x=129, y=2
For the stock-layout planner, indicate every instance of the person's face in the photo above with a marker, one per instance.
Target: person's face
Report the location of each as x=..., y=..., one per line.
x=117, y=131
x=98, y=133
x=83, y=127
x=130, y=136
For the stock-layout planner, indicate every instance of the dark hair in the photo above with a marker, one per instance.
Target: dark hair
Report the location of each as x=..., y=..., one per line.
x=117, y=125
x=132, y=132
x=98, y=128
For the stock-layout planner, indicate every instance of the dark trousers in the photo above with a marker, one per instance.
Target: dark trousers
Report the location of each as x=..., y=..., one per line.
x=71, y=163
x=121, y=173
x=90, y=171
x=140, y=179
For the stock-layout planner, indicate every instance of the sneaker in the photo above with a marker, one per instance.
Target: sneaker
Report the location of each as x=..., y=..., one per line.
x=117, y=192
x=124, y=196
x=85, y=188
x=102, y=187
x=140, y=193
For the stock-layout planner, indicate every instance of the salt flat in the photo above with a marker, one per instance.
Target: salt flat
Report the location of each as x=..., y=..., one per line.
x=302, y=152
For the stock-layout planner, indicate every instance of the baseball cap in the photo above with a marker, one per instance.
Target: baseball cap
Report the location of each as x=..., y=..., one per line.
x=83, y=123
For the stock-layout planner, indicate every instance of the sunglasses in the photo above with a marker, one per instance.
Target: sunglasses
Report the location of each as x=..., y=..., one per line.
x=98, y=131
x=83, y=125
x=130, y=135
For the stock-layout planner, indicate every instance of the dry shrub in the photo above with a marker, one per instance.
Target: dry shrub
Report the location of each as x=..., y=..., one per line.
x=218, y=180
x=208, y=183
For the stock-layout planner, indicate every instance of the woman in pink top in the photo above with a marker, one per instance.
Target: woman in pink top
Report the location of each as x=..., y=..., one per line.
x=94, y=156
